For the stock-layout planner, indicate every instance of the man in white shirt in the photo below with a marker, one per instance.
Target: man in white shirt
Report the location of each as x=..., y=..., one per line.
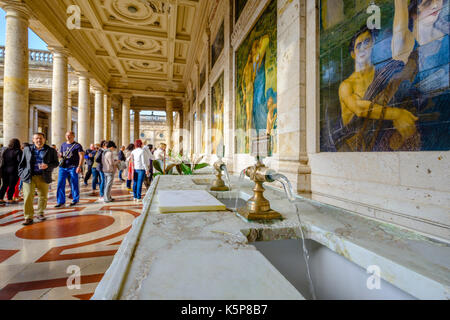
x=141, y=165
x=160, y=153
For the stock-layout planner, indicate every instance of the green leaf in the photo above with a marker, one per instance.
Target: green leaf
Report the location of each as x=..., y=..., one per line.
x=200, y=166
x=157, y=166
x=186, y=170
x=169, y=168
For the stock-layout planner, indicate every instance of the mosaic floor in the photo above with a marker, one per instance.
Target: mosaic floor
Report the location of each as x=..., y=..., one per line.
x=41, y=261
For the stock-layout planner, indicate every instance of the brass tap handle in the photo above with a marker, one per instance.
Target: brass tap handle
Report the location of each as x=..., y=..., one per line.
x=218, y=165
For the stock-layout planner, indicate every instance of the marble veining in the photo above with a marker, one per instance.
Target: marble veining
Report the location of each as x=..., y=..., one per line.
x=208, y=255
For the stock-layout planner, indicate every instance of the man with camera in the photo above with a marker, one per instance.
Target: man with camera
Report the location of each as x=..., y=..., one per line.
x=72, y=157
x=35, y=170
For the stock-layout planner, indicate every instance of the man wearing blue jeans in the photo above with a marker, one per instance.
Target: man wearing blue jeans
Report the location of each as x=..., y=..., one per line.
x=99, y=167
x=73, y=157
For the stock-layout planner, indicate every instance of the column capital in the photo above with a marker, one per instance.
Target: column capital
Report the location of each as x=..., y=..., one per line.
x=98, y=90
x=16, y=8
x=59, y=51
x=126, y=95
x=83, y=74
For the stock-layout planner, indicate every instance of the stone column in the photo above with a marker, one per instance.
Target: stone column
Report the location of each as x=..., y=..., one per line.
x=116, y=127
x=69, y=112
x=291, y=98
x=59, y=95
x=49, y=133
x=99, y=113
x=207, y=134
x=169, y=123
x=75, y=128
x=107, y=117
x=180, y=137
x=126, y=98
x=15, y=82
x=137, y=120
x=35, y=120
x=30, y=124
x=228, y=103
x=83, y=125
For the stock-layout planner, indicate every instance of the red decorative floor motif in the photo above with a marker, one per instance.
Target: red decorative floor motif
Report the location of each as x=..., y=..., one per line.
x=57, y=240
x=6, y=254
x=8, y=292
x=65, y=227
x=54, y=254
x=86, y=296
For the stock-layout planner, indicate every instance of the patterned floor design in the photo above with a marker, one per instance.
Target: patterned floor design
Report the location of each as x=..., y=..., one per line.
x=41, y=261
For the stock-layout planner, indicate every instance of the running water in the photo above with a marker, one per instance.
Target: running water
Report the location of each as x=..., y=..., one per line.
x=227, y=176
x=241, y=179
x=290, y=195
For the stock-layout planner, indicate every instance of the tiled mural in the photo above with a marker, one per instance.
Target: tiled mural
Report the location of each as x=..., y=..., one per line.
x=217, y=114
x=256, y=82
x=217, y=46
x=384, y=89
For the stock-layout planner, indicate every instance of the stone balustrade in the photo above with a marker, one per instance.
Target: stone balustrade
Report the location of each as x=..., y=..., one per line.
x=39, y=58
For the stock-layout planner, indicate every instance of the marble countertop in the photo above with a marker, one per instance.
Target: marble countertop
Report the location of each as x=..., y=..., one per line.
x=208, y=255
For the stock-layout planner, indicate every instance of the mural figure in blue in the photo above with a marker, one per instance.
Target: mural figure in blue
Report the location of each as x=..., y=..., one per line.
x=397, y=102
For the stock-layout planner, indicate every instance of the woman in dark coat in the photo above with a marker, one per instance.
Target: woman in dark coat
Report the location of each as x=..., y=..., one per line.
x=10, y=169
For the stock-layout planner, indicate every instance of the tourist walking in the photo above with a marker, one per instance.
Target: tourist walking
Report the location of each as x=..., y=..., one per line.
x=109, y=164
x=122, y=159
x=35, y=170
x=95, y=172
x=99, y=167
x=129, y=162
x=10, y=170
x=72, y=157
x=141, y=161
x=149, y=177
x=89, y=160
x=160, y=155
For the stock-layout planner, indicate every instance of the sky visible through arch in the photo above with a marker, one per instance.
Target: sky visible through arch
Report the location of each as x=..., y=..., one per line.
x=34, y=42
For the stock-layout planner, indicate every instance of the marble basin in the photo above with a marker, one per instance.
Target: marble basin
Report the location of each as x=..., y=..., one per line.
x=202, y=182
x=333, y=276
x=231, y=199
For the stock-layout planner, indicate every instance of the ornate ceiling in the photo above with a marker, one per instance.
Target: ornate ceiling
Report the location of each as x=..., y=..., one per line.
x=138, y=45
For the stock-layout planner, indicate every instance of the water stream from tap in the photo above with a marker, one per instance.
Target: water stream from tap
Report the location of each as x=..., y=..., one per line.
x=290, y=195
x=241, y=179
x=227, y=177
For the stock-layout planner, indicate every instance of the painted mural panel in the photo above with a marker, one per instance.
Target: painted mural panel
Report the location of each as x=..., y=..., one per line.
x=386, y=88
x=217, y=46
x=203, y=125
x=256, y=82
x=217, y=114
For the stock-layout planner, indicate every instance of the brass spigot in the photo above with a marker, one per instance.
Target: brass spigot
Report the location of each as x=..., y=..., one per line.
x=258, y=207
x=219, y=184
